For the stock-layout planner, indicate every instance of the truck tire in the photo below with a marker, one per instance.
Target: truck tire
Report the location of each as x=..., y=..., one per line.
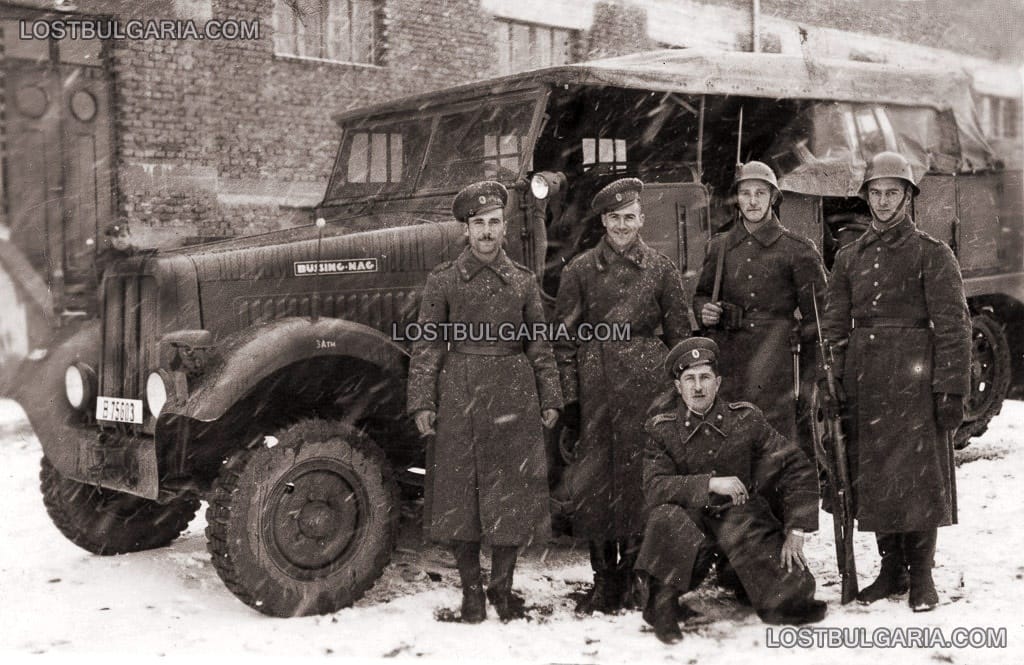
x=105, y=521
x=306, y=526
x=990, y=378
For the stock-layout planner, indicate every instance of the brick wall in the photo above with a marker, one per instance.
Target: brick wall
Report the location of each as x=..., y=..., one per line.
x=617, y=30
x=224, y=137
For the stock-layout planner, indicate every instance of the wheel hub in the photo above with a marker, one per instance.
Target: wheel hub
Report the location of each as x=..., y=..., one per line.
x=316, y=518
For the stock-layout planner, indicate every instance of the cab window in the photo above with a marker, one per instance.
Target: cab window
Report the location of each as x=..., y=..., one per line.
x=378, y=159
x=486, y=142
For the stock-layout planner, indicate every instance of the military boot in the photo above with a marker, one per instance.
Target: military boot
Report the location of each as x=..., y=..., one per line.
x=920, y=549
x=660, y=613
x=467, y=560
x=499, y=589
x=626, y=576
x=604, y=595
x=892, y=579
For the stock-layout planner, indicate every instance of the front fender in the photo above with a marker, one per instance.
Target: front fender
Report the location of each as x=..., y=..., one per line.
x=38, y=385
x=243, y=360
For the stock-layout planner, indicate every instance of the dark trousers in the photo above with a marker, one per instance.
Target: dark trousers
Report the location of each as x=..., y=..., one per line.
x=679, y=547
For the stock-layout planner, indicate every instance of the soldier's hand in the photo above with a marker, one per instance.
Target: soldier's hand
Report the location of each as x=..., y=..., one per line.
x=425, y=419
x=729, y=486
x=549, y=417
x=711, y=314
x=793, y=552
x=949, y=411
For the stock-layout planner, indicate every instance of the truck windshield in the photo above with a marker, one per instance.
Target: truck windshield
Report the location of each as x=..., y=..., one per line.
x=485, y=142
x=382, y=158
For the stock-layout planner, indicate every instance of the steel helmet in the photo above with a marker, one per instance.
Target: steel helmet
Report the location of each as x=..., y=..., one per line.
x=888, y=165
x=757, y=171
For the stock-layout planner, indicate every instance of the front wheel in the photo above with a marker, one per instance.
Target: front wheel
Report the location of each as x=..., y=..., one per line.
x=307, y=526
x=990, y=378
x=105, y=521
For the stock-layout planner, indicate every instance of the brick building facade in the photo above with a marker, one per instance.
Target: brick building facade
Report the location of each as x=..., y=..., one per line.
x=197, y=138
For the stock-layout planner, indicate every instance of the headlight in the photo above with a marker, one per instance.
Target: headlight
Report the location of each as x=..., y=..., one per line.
x=156, y=392
x=546, y=183
x=79, y=386
x=539, y=186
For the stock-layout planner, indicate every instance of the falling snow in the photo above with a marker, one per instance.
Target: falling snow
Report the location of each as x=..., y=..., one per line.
x=169, y=605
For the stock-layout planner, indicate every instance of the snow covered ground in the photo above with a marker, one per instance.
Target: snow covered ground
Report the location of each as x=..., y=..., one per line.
x=61, y=603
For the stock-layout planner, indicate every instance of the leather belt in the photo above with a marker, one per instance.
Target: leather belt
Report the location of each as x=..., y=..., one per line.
x=890, y=322
x=486, y=349
x=766, y=316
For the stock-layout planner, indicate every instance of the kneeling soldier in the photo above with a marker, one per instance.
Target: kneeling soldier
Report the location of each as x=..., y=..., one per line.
x=708, y=466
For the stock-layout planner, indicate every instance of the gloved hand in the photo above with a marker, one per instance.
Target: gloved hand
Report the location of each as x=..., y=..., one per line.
x=949, y=411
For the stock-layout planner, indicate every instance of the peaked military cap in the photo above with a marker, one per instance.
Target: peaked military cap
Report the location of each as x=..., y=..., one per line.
x=690, y=352
x=479, y=197
x=617, y=194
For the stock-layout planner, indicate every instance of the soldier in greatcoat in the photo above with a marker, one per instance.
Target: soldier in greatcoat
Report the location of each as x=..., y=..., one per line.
x=898, y=319
x=708, y=465
x=486, y=476
x=608, y=385
x=766, y=274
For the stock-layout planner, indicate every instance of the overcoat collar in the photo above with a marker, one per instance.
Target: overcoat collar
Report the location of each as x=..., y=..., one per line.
x=469, y=265
x=765, y=234
x=636, y=253
x=894, y=236
x=689, y=423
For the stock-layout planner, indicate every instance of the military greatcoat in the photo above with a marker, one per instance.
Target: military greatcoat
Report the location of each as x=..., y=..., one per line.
x=683, y=452
x=771, y=274
x=616, y=381
x=897, y=299
x=486, y=468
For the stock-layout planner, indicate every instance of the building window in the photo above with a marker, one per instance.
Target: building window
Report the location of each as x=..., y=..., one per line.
x=1000, y=116
x=340, y=30
x=523, y=46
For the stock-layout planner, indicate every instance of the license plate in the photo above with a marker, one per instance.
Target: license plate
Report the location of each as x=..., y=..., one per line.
x=119, y=410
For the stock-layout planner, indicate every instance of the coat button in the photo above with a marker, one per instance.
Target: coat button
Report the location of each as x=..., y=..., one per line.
x=686, y=424
x=876, y=283
x=872, y=336
x=749, y=259
x=876, y=265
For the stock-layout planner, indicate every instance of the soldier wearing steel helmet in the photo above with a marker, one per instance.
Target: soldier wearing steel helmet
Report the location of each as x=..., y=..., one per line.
x=897, y=316
x=708, y=464
x=766, y=274
x=609, y=384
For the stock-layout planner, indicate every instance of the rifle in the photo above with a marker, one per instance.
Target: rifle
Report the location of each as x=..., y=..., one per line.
x=830, y=449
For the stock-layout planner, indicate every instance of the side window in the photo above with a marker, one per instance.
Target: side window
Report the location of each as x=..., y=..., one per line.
x=873, y=130
x=610, y=151
x=378, y=159
x=482, y=143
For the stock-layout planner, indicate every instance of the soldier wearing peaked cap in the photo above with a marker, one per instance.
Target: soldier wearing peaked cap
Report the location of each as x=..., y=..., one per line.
x=486, y=468
x=896, y=305
x=478, y=198
x=764, y=274
x=707, y=467
x=610, y=384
